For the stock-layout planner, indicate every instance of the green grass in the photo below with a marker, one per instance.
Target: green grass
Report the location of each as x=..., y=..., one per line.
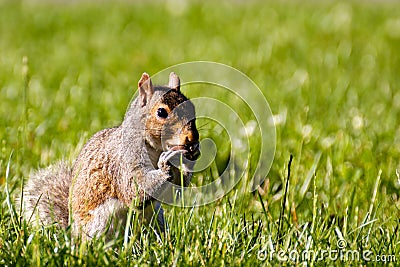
x=329, y=70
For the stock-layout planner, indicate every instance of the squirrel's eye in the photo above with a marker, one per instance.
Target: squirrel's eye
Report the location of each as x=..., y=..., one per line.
x=162, y=113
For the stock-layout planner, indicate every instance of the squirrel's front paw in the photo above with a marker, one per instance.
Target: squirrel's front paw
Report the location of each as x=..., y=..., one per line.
x=165, y=157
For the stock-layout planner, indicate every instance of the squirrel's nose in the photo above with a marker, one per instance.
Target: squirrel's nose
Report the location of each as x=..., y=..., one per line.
x=189, y=134
x=190, y=138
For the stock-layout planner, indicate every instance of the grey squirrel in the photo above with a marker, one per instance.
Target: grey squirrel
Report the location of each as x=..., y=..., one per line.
x=120, y=166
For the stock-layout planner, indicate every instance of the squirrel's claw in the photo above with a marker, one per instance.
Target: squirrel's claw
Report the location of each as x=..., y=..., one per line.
x=165, y=157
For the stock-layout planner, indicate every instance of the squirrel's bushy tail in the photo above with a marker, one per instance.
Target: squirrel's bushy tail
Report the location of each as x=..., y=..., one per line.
x=46, y=195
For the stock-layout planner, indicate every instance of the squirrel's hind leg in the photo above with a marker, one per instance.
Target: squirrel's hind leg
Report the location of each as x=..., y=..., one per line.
x=109, y=218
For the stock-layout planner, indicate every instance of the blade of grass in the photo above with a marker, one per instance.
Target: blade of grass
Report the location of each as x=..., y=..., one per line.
x=371, y=206
x=315, y=199
x=11, y=208
x=284, y=200
x=306, y=184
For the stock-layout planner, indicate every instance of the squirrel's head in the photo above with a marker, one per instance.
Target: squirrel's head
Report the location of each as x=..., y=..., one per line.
x=170, y=121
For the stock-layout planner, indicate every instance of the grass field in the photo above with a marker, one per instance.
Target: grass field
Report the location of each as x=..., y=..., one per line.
x=330, y=72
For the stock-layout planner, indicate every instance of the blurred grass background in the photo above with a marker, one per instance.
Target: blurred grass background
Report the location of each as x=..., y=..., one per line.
x=329, y=70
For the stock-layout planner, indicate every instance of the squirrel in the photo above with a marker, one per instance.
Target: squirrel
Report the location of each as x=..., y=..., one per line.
x=119, y=167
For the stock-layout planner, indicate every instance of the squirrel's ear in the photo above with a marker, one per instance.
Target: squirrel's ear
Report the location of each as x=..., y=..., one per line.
x=174, y=82
x=146, y=89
